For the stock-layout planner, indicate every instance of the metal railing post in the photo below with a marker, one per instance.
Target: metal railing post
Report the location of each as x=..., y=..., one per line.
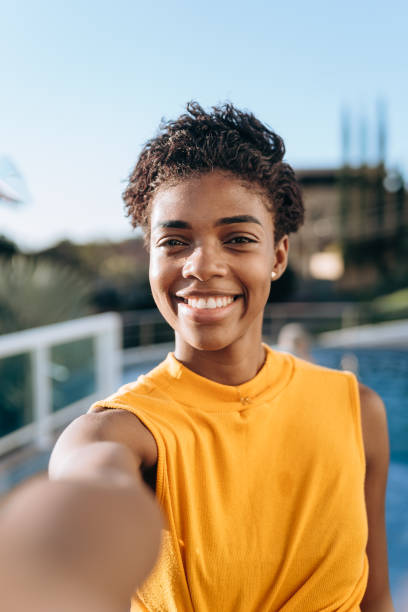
x=108, y=360
x=42, y=396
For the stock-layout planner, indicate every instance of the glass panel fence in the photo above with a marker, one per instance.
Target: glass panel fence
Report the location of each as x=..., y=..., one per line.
x=16, y=395
x=72, y=371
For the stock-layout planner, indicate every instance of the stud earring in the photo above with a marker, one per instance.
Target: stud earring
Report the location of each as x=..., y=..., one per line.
x=274, y=274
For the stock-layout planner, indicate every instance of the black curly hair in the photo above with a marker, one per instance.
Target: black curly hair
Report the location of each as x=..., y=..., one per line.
x=225, y=139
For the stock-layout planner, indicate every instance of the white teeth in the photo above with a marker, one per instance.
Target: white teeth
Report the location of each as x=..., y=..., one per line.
x=210, y=302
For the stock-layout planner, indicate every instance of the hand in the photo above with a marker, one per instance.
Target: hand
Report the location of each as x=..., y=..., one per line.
x=62, y=547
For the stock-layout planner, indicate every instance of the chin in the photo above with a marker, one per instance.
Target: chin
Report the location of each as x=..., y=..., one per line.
x=207, y=343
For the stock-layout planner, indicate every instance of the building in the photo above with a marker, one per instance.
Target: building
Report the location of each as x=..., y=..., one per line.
x=356, y=228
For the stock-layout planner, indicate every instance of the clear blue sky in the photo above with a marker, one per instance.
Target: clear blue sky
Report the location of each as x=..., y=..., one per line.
x=84, y=84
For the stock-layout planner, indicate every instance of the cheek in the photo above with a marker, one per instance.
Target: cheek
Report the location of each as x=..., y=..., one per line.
x=259, y=276
x=154, y=269
x=156, y=279
x=161, y=277
x=159, y=271
x=259, y=284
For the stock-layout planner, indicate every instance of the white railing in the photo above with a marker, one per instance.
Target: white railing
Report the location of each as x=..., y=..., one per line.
x=105, y=329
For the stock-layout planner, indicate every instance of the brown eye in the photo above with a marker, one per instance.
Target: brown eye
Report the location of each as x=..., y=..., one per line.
x=172, y=242
x=240, y=240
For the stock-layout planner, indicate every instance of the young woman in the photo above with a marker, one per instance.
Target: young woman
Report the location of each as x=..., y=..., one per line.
x=270, y=471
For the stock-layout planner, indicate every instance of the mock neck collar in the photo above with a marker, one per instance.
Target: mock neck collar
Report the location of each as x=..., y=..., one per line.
x=201, y=393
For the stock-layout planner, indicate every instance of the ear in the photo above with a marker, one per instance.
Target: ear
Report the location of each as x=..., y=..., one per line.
x=281, y=258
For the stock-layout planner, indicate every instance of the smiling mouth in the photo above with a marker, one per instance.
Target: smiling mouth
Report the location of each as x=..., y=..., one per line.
x=209, y=302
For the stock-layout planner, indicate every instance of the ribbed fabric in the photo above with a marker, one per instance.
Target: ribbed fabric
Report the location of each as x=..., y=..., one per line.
x=263, y=487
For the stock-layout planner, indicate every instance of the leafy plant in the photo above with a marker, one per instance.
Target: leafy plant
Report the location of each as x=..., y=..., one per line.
x=35, y=291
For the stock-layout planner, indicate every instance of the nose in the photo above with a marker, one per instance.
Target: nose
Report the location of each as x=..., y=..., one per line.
x=204, y=263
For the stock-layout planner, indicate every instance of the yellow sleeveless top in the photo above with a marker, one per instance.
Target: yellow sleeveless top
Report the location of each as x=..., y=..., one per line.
x=262, y=485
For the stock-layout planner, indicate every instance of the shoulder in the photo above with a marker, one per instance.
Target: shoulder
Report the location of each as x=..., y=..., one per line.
x=319, y=379
x=374, y=427
x=310, y=368
x=127, y=428
x=112, y=425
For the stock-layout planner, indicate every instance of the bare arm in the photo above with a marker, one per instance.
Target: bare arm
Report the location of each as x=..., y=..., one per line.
x=87, y=538
x=377, y=597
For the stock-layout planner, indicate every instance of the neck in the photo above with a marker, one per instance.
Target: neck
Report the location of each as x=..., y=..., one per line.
x=233, y=365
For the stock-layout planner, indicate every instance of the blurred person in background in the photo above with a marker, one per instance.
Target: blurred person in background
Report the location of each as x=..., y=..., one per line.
x=294, y=338
x=262, y=475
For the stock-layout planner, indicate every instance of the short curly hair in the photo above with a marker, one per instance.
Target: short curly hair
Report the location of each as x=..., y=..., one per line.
x=225, y=139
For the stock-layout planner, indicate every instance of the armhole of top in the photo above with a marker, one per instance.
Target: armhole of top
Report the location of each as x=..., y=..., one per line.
x=161, y=453
x=356, y=409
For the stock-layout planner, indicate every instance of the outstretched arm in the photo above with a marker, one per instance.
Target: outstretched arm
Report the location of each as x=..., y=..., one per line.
x=85, y=539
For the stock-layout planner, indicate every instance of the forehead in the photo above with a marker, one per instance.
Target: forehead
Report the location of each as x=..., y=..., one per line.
x=208, y=196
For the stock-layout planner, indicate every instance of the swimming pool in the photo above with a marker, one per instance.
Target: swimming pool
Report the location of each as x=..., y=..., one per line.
x=385, y=371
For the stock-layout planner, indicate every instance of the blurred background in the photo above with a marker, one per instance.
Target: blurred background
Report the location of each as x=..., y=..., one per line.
x=83, y=86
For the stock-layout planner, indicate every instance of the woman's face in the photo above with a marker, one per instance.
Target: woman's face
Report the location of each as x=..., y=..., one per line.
x=212, y=254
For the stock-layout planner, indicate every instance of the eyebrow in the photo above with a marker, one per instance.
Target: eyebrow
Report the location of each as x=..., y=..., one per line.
x=238, y=219
x=173, y=223
x=178, y=224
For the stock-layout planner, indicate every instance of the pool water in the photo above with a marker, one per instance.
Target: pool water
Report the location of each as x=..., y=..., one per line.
x=385, y=371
